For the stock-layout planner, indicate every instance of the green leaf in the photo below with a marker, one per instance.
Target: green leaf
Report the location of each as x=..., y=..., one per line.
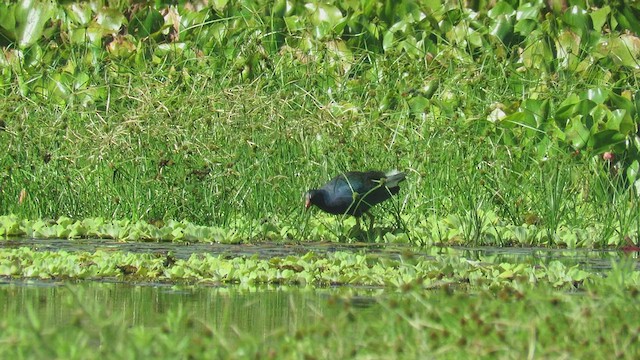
x=501, y=28
x=79, y=13
x=628, y=19
x=528, y=10
x=501, y=9
x=146, y=22
x=577, y=18
x=632, y=171
x=110, y=19
x=584, y=107
x=566, y=110
x=599, y=17
x=620, y=120
x=294, y=23
x=540, y=109
x=418, y=104
x=7, y=21
x=597, y=95
x=537, y=55
x=625, y=50
x=577, y=134
x=388, y=41
x=219, y=5
x=605, y=140
x=327, y=19
x=523, y=119
x=568, y=49
x=621, y=102
x=30, y=19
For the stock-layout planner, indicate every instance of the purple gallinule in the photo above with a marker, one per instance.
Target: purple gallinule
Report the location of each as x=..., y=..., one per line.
x=355, y=192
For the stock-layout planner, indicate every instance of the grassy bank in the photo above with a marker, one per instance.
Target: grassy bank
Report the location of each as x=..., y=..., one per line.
x=496, y=130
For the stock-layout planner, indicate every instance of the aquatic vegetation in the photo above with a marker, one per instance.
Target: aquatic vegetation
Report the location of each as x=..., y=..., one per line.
x=453, y=230
x=339, y=268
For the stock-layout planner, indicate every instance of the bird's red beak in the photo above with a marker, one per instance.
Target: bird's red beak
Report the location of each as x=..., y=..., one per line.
x=307, y=201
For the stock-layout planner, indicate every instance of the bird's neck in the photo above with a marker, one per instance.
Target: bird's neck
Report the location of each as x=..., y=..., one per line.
x=319, y=198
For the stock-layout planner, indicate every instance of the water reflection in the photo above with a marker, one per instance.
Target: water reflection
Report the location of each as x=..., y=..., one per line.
x=595, y=260
x=257, y=312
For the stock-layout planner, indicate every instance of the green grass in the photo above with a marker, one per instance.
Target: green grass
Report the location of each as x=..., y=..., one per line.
x=227, y=153
x=230, y=136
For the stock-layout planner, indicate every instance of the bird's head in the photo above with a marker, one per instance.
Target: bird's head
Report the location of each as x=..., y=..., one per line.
x=307, y=199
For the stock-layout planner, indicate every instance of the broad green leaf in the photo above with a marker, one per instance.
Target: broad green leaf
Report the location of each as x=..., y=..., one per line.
x=568, y=48
x=146, y=22
x=110, y=19
x=30, y=19
x=628, y=19
x=577, y=134
x=430, y=88
x=577, y=18
x=584, y=107
x=525, y=27
x=501, y=9
x=566, y=109
x=327, y=19
x=501, y=28
x=122, y=46
x=219, y=5
x=388, y=41
x=625, y=50
x=600, y=115
x=604, y=140
x=597, y=95
x=59, y=90
x=7, y=21
x=528, y=10
x=540, y=109
x=620, y=120
x=33, y=56
x=537, y=55
x=418, y=104
x=85, y=36
x=521, y=118
x=79, y=13
x=283, y=8
x=621, y=102
x=599, y=17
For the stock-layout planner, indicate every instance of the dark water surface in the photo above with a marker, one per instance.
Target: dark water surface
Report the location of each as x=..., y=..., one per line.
x=586, y=258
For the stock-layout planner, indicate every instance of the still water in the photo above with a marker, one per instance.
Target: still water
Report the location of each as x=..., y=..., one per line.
x=254, y=311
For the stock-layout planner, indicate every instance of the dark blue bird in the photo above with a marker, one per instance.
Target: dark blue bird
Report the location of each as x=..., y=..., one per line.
x=354, y=192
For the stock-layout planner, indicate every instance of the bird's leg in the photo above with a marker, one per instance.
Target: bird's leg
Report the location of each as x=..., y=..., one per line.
x=372, y=218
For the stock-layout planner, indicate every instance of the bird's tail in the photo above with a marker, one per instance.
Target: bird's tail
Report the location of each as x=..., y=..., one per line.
x=394, y=177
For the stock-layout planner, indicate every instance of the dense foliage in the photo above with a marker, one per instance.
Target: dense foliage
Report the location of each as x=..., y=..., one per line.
x=509, y=115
